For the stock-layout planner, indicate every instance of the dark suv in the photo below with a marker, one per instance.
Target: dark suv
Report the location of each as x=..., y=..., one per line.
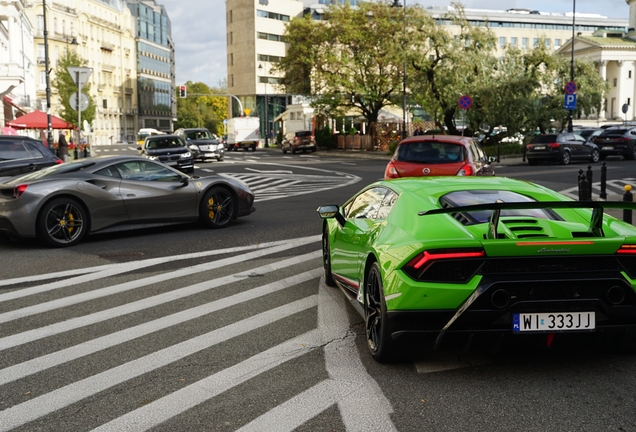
x=299, y=140
x=19, y=155
x=620, y=141
x=202, y=144
x=170, y=150
x=562, y=148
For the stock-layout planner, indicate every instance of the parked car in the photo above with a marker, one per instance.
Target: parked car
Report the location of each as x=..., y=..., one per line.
x=61, y=204
x=617, y=141
x=454, y=262
x=202, y=143
x=562, y=148
x=588, y=134
x=299, y=140
x=19, y=155
x=170, y=150
x=438, y=155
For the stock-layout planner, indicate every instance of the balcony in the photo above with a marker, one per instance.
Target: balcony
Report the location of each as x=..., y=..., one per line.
x=131, y=111
x=107, y=68
x=41, y=60
x=107, y=46
x=128, y=90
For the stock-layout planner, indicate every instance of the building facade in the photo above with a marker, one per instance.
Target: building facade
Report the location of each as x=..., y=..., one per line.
x=255, y=40
x=155, y=66
x=17, y=62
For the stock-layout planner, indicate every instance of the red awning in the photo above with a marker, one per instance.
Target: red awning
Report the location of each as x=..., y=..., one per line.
x=38, y=120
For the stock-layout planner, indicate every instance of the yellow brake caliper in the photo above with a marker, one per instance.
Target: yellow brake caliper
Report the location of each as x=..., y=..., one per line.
x=211, y=208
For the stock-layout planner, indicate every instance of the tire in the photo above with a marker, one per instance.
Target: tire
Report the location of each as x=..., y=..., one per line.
x=326, y=258
x=565, y=158
x=313, y=150
x=632, y=154
x=292, y=150
x=219, y=159
x=595, y=156
x=62, y=222
x=218, y=207
x=284, y=149
x=253, y=148
x=379, y=342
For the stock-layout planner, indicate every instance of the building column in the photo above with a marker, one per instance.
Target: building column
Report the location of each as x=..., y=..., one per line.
x=620, y=97
x=603, y=71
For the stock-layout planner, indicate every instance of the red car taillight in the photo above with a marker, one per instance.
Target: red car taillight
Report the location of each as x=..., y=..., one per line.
x=391, y=171
x=627, y=249
x=554, y=145
x=19, y=190
x=445, y=265
x=466, y=170
x=59, y=161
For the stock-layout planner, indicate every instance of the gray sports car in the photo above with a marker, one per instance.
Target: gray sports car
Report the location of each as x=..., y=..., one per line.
x=61, y=204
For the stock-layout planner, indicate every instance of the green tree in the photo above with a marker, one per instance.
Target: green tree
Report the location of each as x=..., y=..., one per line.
x=64, y=85
x=200, y=110
x=352, y=59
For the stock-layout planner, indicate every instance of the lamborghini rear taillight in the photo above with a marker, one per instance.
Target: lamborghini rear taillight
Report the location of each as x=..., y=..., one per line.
x=445, y=265
x=466, y=170
x=627, y=249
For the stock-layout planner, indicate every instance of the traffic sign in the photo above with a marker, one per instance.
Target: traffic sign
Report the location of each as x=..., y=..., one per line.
x=84, y=73
x=465, y=102
x=569, y=103
x=570, y=87
x=83, y=101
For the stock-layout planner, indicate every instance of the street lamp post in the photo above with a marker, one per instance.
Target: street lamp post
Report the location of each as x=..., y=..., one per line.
x=260, y=66
x=49, y=122
x=396, y=3
x=570, y=126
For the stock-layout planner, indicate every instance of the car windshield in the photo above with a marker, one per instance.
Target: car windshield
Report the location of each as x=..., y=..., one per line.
x=164, y=143
x=52, y=170
x=475, y=197
x=199, y=135
x=303, y=133
x=430, y=152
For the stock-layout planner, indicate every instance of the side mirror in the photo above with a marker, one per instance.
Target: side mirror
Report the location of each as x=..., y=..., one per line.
x=331, y=211
x=492, y=159
x=184, y=181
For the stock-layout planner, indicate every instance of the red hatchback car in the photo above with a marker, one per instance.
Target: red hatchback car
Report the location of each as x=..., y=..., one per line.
x=438, y=155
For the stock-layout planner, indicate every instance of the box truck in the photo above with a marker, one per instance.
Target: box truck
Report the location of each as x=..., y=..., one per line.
x=243, y=132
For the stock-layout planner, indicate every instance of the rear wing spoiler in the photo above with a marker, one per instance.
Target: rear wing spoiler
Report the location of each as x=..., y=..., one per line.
x=596, y=222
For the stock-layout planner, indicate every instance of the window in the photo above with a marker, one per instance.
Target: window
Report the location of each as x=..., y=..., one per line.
x=524, y=43
x=535, y=42
x=367, y=204
x=40, y=22
x=547, y=42
x=615, y=82
x=629, y=74
x=557, y=43
x=231, y=59
x=513, y=41
x=42, y=80
x=502, y=42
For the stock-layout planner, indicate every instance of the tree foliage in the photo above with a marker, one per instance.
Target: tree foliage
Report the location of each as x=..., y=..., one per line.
x=352, y=60
x=64, y=85
x=201, y=109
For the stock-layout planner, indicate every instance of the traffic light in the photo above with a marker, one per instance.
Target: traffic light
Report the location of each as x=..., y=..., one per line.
x=182, y=91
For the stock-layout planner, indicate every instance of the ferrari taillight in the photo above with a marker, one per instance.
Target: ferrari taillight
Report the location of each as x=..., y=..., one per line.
x=391, y=171
x=19, y=190
x=627, y=249
x=466, y=170
x=445, y=265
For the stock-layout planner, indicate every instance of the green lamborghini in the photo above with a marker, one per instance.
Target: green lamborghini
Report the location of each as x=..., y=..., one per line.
x=482, y=261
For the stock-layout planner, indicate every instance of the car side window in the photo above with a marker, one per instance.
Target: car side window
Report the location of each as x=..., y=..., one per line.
x=12, y=150
x=579, y=138
x=387, y=204
x=34, y=151
x=367, y=204
x=146, y=171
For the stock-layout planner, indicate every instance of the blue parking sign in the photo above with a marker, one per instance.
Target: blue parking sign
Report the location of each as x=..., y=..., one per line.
x=569, y=103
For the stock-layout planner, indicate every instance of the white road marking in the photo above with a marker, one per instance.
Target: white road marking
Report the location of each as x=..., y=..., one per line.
x=269, y=172
x=74, y=323
x=39, y=364
x=25, y=412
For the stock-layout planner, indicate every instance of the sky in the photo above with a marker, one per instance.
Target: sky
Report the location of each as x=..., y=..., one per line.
x=198, y=28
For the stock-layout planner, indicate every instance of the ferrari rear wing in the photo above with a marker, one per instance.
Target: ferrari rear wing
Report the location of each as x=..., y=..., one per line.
x=596, y=222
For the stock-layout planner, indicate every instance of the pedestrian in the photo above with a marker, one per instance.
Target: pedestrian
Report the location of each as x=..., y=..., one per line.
x=62, y=146
x=418, y=131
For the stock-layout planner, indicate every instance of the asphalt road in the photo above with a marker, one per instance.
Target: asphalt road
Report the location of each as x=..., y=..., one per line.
x=181, y=328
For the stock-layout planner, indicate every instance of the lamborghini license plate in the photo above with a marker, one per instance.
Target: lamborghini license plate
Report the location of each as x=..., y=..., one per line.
x=553, y=321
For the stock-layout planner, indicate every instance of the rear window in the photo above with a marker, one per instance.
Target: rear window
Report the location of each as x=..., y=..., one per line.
x=614, y=132
x=11, y=150
x=544, y=139
x=303, y=133
x=430, y=152
x=474, y=197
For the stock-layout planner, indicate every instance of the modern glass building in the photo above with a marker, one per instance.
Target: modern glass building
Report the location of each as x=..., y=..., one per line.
x=155, y=66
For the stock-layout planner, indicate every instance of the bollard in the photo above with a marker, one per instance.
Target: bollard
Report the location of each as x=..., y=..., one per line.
x=589, y=176
x=580, y=176
x=628, y=197
x=603, y=195
x=584, y=189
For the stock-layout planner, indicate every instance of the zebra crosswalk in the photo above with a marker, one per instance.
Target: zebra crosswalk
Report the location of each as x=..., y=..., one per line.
x=164, y=342
x=613, y=188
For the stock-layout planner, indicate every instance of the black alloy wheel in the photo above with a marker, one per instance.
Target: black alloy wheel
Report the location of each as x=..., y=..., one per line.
x=62, y=222
x=218, y=207
x=379, y=340
x=326, y=258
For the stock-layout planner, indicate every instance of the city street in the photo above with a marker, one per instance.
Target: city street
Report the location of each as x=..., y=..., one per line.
x=182, y=328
